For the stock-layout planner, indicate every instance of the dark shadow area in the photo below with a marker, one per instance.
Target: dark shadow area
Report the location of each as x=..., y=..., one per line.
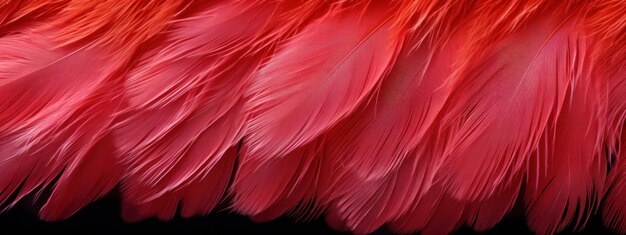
x=103, y=217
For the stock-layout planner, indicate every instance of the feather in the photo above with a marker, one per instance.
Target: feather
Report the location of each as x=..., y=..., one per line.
x=424, y=116
x=606, y=28
x=291, y=180
x=252, y=198
x=483, y=215
x=570, y=165
x=95, y=173
x=434, y=213
x=318, y=78
x=119, y=25
x=500, y=106
x=185, y=106
x=14, y=14
x=74, y=106
x=188, y=151
x=604, y=22
x=375, y=139
x=58, y=124
x=194, y=77
x=408, y=103
x=198, y=198
x=365, y=205
x=614, y=204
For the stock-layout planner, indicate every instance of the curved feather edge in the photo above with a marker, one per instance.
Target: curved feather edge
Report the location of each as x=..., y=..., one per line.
x=56, y=108
x=185, y=100
x=567, y=177
x=615, y=186
x=290, y=100
x=418, y=82
x=614, y=204
x=434, y=213
x=499, y=107
x=298, y=178
x=377, y=136
x=199, y=197
x=248, y=198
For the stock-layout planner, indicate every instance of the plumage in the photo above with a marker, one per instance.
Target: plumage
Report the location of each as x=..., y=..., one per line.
x=273, y=101
x=613, y=208
x=409, y=101
x=292, y=101
x=52, y=123
x=483, y=215
x=513, y=96
x=377, y=137
x=435, y=213
x=572, y=144
x=418, y=116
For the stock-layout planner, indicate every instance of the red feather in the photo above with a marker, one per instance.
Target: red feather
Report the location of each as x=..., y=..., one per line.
x=50, y=123
x=500, y=106
x=423, y=116
x=567, y=175
x=190, y=98
x=317, y=78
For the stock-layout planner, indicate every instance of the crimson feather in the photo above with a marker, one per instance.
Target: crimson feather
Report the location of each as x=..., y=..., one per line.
x=424, y=115
x=290, y=100
x=190, y=98
x=513, y=96
x=52, y=123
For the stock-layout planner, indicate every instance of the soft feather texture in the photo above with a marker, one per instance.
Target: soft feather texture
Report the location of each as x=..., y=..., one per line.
x=58, y=126
x=570, y=165
x=317, y=78
x=510, y=90
x=424, y=115
x=285, y=101
x=191, y=101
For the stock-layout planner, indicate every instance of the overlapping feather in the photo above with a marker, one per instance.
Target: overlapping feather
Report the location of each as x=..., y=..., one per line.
x=421, y=115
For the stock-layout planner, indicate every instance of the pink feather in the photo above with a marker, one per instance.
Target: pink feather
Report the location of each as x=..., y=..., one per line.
x=318, y=78
x=422, y=116
x=500, y=106
x=52, y=123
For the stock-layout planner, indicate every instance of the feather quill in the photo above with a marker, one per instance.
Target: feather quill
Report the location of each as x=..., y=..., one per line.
x=499, y=107
x=52, y=127
x=290, y=100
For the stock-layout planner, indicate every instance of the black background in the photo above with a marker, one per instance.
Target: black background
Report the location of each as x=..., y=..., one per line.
x=103, y=217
